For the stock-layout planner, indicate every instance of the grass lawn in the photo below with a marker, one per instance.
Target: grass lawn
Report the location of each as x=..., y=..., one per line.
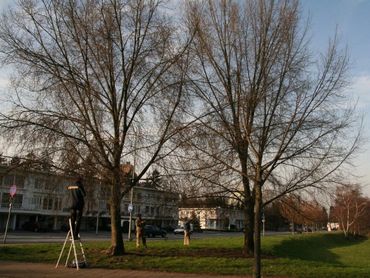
x=307, y=255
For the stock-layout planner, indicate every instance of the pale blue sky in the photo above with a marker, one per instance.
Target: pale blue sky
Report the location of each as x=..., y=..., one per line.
x=352, y=20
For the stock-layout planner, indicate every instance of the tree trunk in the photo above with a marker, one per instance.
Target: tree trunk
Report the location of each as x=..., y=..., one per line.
x=257, y=232
x=117, y=247
x=248, y=247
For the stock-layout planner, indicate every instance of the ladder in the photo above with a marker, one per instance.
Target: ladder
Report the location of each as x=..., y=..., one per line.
x=70, y=238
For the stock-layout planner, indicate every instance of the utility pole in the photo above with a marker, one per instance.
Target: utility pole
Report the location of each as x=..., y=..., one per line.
x=97, y=215
x=130, y=207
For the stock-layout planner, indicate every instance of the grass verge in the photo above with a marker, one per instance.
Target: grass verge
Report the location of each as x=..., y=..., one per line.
x=308, y=255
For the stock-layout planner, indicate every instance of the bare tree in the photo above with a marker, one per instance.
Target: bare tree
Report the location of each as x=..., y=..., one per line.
x=349, y=207
x=100, y=79
x=305, y=212
x=272, y=116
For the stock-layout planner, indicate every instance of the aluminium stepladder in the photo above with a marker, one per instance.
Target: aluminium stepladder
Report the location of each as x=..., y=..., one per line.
x=70, y=238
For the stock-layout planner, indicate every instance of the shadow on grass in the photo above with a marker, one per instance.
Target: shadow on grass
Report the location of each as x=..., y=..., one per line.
x=316, y=248
x=189, y=252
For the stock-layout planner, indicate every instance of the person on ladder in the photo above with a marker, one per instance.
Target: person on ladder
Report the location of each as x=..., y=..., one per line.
x=78, y=194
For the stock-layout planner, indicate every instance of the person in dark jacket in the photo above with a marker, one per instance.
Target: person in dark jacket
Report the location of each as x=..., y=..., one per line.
x=140, y=236
x=77, y=197
x=187, y=231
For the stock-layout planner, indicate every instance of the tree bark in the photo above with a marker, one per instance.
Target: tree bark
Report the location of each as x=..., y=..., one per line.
x=117, y=247
x=257, y=231
x=248, y=247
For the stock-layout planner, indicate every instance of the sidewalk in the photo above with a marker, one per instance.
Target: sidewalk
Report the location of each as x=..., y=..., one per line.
x=36, y=270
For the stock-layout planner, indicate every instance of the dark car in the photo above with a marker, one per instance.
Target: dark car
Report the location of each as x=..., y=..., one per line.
x=34, y=226
x=153, y=231
x=31, y=226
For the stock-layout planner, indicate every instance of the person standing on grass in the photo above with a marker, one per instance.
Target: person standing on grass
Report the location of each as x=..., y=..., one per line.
x=140, y=237
x=187, y=231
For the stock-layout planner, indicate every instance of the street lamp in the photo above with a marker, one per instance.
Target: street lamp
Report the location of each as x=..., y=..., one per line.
x=263, y=224
x=130, y=208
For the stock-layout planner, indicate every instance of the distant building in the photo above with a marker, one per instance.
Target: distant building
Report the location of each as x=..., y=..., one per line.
x=332, y=226
x=216, y=218
x=42, y=201
x=157, y=207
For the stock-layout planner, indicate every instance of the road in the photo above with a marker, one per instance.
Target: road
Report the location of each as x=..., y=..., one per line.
x=36, y=237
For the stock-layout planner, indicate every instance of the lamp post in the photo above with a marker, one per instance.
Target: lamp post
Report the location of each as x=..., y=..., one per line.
x=130, y=207
x=97, y=214
x=13, y=190
x=7, y=221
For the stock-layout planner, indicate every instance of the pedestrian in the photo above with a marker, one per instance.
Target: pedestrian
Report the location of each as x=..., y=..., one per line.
x=77, y=197
x=140, y=237
x=187, y=231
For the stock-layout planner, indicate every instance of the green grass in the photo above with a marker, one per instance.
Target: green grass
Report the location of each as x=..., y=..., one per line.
x=308, y=255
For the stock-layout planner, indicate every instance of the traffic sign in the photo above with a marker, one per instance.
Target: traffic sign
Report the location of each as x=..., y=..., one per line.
x=13, y=190
x=130, y=208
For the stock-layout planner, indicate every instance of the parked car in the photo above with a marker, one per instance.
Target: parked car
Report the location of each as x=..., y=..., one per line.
x=169, y=228
x=179, y=231
x=232, y=228
x=34, y=226
x=31, y=226
x=153, y=231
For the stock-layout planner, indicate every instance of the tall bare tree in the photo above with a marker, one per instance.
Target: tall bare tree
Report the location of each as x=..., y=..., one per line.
x=349, y=207
x=102, y=78
x=274, y=117
x=303, y=211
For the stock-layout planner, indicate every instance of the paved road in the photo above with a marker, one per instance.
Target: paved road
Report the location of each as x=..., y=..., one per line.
x=30, y=237
x=33, y=270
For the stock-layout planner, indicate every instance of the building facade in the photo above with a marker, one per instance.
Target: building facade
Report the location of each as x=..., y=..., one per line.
x=42, y=201
x=216, y=218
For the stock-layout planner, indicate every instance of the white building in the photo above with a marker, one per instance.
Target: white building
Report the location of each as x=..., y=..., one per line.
x=42, y=202
x=215, y=218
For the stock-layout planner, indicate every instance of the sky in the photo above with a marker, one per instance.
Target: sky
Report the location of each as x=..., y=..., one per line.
x=351, y=20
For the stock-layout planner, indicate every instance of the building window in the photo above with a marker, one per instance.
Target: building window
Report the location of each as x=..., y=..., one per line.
x=57, y=204
x=36, y=202
x=39, y=183
x=19, y=181
x=8, y=180
x=17, y=200
x=47, y=204
x=5, y=200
